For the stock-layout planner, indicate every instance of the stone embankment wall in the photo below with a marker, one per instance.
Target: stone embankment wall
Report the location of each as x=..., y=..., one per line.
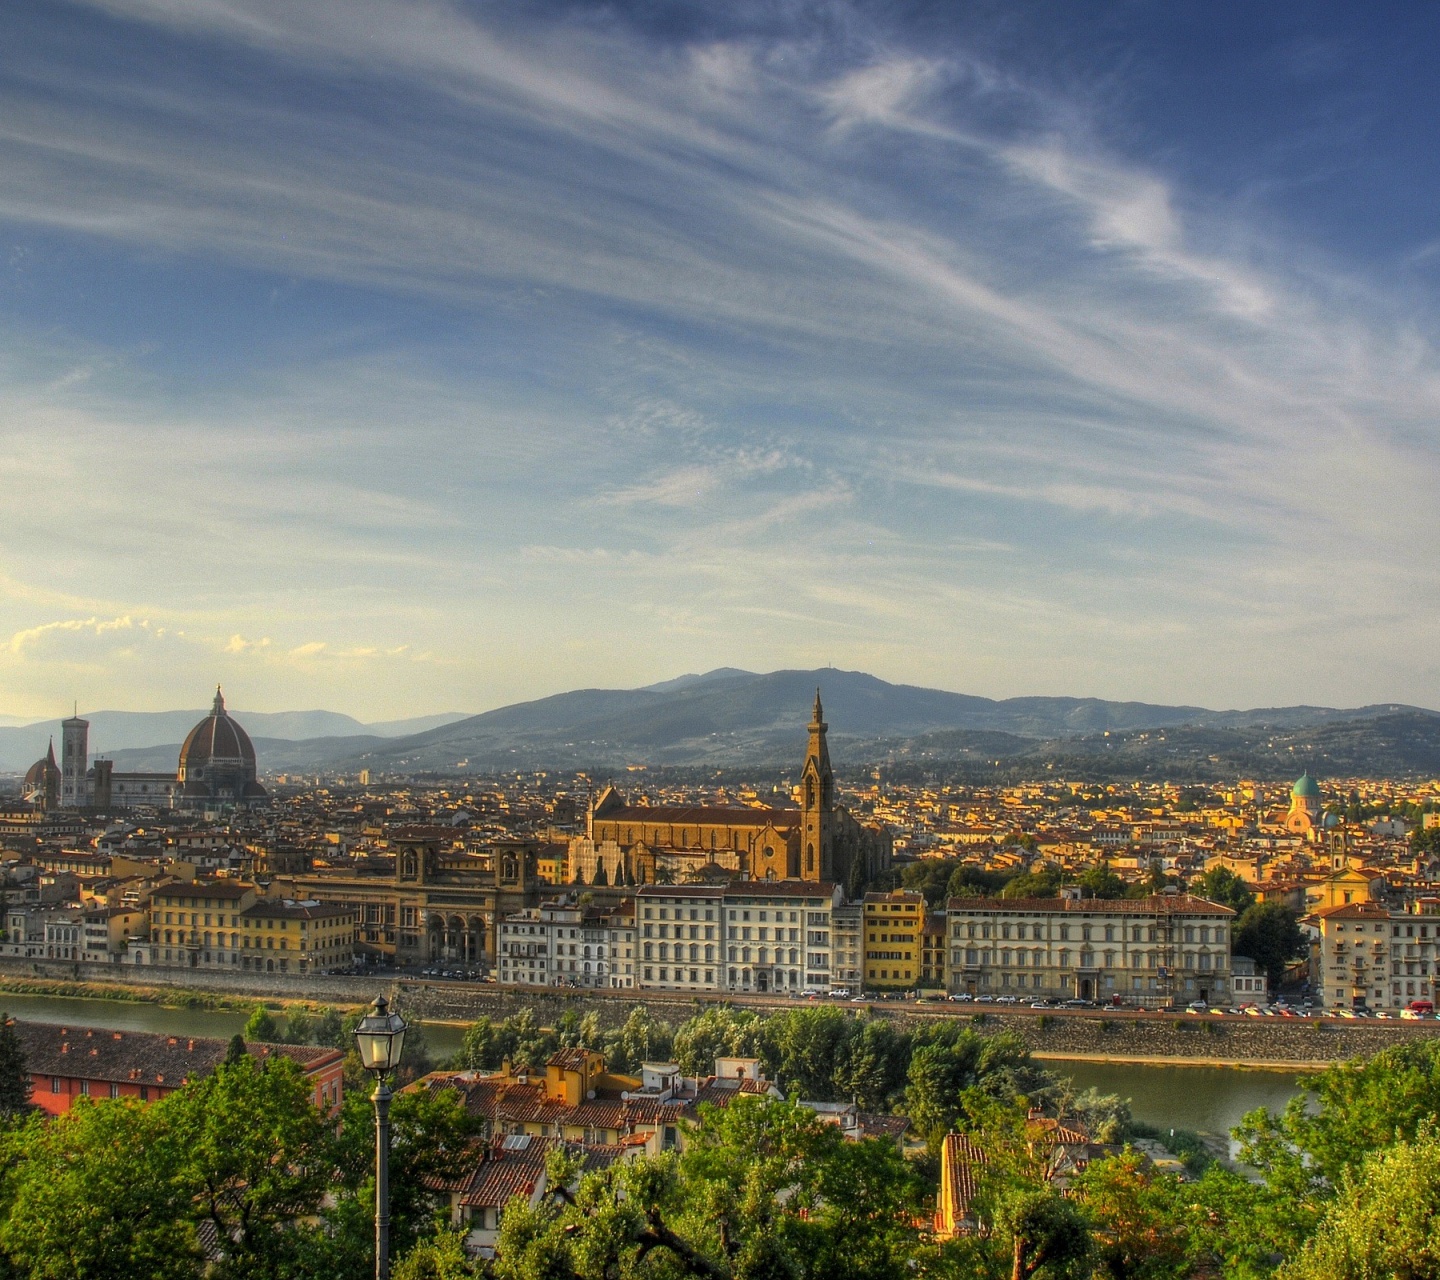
x=1174, y=1038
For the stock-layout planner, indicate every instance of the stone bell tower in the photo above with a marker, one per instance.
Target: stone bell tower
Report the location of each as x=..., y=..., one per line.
x=817, y=804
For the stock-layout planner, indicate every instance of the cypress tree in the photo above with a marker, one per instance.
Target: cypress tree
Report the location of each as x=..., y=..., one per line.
x=14, y=1078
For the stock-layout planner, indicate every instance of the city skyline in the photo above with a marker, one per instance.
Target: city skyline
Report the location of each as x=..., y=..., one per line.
x=425, y=357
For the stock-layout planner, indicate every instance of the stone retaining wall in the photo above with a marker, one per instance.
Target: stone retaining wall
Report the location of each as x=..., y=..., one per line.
x=1178, y=1037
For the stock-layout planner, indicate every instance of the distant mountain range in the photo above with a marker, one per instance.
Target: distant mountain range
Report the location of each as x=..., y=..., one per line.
x=730, y=718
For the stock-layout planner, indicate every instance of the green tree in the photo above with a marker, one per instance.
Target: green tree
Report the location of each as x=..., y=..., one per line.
x=441, y=1257
x=97, y=1194
x=1049, y=1235
x=1270, y=935
x=642, y=1038
x=1385, y=1220
x=1344, y=1113
x=1143, y=1231
x=1037, y=884
x=329, y=1029
x=968, y=881
x=1100, y=882
x=14, y=1078
x=855, y=881
x=255, y=1157
x=430, y=1145
x=592, y=1034
x=479, y=1047
x=871, y=1069
x=962, y=1074
x=262, y=1026
x=1222, y=885
x=717, y=1031
x=802, y=1047
x=299, y=1026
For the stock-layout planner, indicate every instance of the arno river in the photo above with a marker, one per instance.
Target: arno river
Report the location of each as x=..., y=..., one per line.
x=1207, y=1099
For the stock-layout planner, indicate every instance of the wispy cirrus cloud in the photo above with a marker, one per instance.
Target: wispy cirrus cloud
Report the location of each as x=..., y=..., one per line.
x=573, y=310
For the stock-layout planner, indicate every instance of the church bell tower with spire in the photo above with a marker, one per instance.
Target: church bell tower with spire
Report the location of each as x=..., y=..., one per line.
x=817, y=804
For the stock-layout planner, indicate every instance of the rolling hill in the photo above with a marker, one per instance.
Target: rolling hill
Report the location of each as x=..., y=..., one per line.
x=731, y=718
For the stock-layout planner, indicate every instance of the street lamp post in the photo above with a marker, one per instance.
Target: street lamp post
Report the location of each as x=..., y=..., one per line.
x=380, y=1038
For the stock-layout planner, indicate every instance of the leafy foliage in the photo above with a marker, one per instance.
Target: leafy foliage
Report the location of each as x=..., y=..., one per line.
x=1222, y=885
x=1270, y=935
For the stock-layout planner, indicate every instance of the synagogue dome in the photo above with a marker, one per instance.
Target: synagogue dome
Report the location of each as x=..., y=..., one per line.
x=1305, y=788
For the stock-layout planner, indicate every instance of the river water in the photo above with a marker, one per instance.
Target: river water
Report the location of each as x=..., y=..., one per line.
x=1207, y=1099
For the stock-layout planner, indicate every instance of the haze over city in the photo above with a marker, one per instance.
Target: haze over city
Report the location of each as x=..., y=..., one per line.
x=408, y=358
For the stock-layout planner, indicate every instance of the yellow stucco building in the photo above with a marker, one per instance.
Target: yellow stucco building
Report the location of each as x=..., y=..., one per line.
x=893, y=923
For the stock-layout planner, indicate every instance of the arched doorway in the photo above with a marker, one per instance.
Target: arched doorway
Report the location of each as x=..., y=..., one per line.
x=1087, y=989
x=762, y=981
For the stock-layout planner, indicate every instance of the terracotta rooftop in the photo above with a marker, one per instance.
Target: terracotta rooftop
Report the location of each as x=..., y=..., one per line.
x=142, y=1057
x=1178, y=904
x=698, y=815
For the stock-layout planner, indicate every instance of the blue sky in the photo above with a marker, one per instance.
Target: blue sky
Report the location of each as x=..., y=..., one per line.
x=395, y=356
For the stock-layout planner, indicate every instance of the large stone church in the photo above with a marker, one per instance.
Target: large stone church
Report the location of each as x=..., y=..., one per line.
x=819, y=840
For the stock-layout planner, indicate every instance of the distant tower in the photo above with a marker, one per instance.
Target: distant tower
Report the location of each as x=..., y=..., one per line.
x=74, y=759
x=817, y=804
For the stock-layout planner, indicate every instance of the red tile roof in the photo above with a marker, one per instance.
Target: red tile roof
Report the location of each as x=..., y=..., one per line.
x=142, y=1057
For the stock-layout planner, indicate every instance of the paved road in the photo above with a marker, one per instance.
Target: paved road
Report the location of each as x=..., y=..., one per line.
x=928, y=1008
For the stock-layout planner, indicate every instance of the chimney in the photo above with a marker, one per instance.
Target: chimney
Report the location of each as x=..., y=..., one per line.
x=190, y=1048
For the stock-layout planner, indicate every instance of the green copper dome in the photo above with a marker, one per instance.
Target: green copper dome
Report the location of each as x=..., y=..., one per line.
x=1306, y=788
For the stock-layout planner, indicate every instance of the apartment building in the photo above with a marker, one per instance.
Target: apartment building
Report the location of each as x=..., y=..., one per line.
x=892, y=930
x=297, y=937
x=778, y=935
x=680, y=930
x=559, y=943
x=218, y=924
x=847, y=948
x=1151, y=951
x=620, y=926
x=197, y=922
x=1371, y=957
x=934, y=943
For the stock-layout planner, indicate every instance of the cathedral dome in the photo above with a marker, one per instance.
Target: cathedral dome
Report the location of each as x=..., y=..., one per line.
x=216, y=739
x=42, y=770
x=217, y=761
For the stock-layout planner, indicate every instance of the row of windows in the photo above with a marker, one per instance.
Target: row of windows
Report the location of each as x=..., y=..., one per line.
x=1037, y=959
x=268, y=922
x=663, y=930
x=1112, y=932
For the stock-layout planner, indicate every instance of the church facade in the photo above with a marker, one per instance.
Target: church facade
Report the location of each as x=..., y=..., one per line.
x=819, y=841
